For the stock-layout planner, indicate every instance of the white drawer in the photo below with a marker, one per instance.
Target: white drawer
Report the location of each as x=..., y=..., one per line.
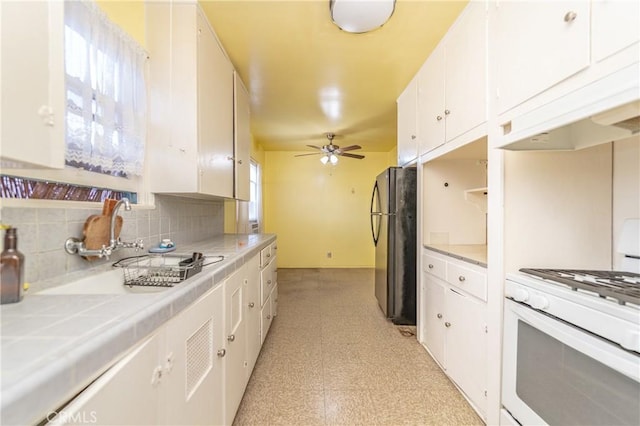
x=472, y=282
x=266, y=255
x=267, y=281
x=434, y=266
x=265, y=320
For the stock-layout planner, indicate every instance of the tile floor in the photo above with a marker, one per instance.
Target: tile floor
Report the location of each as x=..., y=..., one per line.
x=331, y=358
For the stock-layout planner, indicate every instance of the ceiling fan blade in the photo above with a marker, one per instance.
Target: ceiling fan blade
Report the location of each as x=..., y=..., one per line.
x=350, y=148
x=312, y=153
x=346, y=154
x=314, y=147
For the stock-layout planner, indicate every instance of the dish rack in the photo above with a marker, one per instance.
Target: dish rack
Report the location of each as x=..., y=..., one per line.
x=164, y=270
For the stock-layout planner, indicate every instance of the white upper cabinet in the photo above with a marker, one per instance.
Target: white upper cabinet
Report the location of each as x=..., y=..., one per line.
x=407, y=124
x=615, y=26
x=538, y=44
x=242, y=138
x=32, y=106
x=431, y=101
x=191, y=104
x=452, y=83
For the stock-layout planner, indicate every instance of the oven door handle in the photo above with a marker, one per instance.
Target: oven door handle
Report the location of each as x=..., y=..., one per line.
x=606, y=353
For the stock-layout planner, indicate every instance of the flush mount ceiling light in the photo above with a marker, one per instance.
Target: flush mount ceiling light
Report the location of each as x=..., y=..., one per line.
x=361, y=16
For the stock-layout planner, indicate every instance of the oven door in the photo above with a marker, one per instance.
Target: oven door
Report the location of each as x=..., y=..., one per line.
x=558, y=374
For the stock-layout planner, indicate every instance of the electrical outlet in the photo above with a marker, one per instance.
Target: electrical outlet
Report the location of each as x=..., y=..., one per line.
x=329, y=255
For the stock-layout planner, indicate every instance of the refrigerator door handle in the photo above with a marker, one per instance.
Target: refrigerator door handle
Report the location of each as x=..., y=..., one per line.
x=375, y=234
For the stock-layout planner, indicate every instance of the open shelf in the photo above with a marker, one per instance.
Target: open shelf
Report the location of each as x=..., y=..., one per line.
x=478, y=197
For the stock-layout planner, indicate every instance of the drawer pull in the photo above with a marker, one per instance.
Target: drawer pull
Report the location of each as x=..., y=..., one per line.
x=447, y=112
x=251, y=305
x=439, y=117
x=231, y=337
x=570, y=16
x=447, y=324
x=431, y=266
x=439, y=316
x=222, y=352
x=461, y=278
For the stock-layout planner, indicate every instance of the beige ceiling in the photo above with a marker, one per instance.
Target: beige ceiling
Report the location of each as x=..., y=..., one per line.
x=306, y=77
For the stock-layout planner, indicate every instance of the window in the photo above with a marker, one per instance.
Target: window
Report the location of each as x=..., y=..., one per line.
x=105, y=94
x=254, y=196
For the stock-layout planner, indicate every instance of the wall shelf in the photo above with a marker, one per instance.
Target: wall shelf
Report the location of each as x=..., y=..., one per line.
x=478, y=197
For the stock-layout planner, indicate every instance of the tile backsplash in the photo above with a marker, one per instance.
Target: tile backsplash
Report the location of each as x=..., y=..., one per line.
x=43, y=231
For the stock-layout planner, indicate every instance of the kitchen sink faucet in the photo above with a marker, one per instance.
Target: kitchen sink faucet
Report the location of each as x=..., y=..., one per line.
x=76, y=246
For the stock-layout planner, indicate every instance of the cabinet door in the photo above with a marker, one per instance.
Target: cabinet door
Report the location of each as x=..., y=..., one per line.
x=32, y=98
x=407, y=124
x=434, y=329
x=537, y=44
x=466, y=347
x=215, y=115
x=466, y=72
x=615, y=25
x=252, y=315
x=193, y=380
x=242, y=139
x=431, y=101
x=126, y=394
x=265, y=321
x=235, y=331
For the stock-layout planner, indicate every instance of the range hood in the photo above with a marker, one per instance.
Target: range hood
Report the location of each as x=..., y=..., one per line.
x=603, y=111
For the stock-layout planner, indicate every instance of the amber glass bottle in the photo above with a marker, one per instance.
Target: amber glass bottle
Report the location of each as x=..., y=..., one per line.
x=11, y=269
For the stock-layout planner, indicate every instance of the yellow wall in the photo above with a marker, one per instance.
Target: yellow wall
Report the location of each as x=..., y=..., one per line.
x=316, y=208
x=128, y=14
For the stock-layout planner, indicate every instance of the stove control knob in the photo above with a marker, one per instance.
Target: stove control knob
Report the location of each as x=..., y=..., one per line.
x=539, y=302
x=520, y=295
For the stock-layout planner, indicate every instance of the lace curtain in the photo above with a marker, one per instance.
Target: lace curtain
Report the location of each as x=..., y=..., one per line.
x=106, y=93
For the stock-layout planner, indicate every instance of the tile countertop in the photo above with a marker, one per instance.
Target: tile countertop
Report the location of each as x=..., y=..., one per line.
x=52, y=346
x=472, y=253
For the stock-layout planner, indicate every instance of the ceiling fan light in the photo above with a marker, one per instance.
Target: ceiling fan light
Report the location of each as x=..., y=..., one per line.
x=324, y=159
x=361, y=16
x=333, y=158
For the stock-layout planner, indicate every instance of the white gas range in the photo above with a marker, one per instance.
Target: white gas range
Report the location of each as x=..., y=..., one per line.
x=572, y=347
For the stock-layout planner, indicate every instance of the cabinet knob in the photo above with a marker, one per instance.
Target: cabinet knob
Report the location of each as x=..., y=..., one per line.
x=431, y=266
x=447, y=324
x=156, y=376
x=168, y=365
x=222, y=352
x=231, y=337
x=439, y=316
x=230, y=158
x=268, y=254
x=447, y=112
x=461, y=278
x=251, y=305
x=413, y=137
x=439, y=117
x=268, y=316
x=570, y=16
x=239, y=161
x=269, y=282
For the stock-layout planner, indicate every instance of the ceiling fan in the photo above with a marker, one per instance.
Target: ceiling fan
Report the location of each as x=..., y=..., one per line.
x=331, y=152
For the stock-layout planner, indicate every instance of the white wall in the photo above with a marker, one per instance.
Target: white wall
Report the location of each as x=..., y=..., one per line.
x=626, y=188
x=558, y=209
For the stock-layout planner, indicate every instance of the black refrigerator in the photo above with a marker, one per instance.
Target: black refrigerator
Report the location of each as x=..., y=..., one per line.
x=393, y=227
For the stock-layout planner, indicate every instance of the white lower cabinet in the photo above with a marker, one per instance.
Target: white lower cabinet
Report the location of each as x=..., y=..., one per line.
x=252, y=314
x=453, y=328
x=236, y=345
x=194, y=369
x=174, y=377
x=128, y=393
x=193, y=386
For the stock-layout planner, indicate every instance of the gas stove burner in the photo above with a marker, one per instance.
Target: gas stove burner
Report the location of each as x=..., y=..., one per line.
x=624, y=287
